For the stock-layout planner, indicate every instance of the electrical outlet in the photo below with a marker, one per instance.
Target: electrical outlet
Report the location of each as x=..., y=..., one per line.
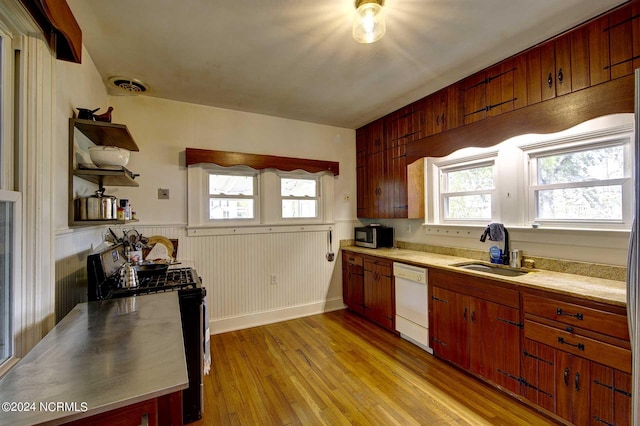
x=163, y=194
x=274, y=279
x=347, y=197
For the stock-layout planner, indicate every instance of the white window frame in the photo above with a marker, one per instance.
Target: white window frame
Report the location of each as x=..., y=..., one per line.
x=233, y=171
x=464, y=164
x=15, y=323
x=317, y=198
x=560, y=147
x=268, y=210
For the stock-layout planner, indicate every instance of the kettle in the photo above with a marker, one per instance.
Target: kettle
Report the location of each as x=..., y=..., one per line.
x=128, y=276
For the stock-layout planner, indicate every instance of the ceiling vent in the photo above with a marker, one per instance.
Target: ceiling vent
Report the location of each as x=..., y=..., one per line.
x=127, y=86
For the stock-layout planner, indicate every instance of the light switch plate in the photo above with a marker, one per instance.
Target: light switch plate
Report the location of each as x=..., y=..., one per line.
x=163, y=194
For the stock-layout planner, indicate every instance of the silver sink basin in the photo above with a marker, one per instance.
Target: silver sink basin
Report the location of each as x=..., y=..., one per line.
x=492, y=269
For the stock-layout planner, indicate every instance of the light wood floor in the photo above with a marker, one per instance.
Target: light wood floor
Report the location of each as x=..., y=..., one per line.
x=339, y=369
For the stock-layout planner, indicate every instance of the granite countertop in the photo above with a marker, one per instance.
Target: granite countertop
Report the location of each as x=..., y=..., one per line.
x=596, y=289
x=102, y=356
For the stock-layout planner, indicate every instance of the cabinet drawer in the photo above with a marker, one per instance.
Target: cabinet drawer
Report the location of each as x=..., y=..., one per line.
x=352, y=259
x=383, y=267
x=580, y=316
x=584, y=347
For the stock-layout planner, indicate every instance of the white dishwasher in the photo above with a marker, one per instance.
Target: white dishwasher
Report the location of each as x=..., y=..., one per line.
x=412, y=316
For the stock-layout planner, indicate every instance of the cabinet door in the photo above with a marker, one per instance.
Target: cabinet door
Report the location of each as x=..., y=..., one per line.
x=399, y=202
x=449, y=328
x=572, y=388
x=494, y=342
x=548, y=70
x=610, y=395
x=621, y=42
x=352, y=282
x=534, y=76
x=439, y=111
x=599, y=69
x=379, y=294
x=499, y=88
x=454, y=116
x=538, y=372
x=562, y=64
x=362, y=178
x=475, y=101
x=375, y=176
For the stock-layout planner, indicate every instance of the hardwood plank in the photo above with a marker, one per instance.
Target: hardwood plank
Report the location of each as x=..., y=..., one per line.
x=340, y=369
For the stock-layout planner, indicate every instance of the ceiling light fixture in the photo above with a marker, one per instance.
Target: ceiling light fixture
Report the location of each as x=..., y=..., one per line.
x=368, y=23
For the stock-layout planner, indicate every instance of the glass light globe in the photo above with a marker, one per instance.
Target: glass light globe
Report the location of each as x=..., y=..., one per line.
x=368, y=23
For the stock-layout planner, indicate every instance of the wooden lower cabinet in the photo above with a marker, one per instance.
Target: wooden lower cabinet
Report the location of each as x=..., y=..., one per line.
x=580, y=391
x=538, y=374
x=368, y=288
x=379, y=292
x=449, y=326
x=165, y=410
x=573, y=388
x=478, y=335
x=610, y=396
x=353, y=282
x=573, y=359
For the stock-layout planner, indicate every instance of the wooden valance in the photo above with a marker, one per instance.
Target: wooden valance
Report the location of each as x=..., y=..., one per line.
x=59, y=26
x=554, y=115
x=259, y=161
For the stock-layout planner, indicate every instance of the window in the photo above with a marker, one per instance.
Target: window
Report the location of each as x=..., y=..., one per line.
x=580, y=184
x=466, y=192
x=237, y=196
x=9, y=213
x=577, y=178
x=232, y=196
x=299, y=197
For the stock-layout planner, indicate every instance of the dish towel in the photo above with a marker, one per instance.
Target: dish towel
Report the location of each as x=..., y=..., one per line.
x=207, y=340
x=495, y=232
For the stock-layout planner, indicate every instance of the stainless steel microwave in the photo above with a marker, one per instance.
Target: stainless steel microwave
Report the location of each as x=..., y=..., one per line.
x=373, y=236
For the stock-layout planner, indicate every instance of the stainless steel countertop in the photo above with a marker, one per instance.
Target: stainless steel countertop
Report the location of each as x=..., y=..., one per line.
x=107, y=354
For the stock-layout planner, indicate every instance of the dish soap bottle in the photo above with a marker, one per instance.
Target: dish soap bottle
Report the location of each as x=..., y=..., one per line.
x=495, y=254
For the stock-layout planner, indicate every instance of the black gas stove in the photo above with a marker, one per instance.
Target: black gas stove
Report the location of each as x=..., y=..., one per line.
x=103, y=282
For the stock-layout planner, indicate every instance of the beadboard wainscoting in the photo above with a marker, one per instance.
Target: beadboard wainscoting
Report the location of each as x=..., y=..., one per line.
x=251, y=279
x=72, y=248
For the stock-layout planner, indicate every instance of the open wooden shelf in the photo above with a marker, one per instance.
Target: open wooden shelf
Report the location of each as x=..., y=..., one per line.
x=106, y=134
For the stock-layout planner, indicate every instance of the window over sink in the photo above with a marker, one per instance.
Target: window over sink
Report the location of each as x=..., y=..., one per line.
x=579, y=178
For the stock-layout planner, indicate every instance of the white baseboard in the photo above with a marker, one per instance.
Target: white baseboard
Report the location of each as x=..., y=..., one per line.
x=223, y=325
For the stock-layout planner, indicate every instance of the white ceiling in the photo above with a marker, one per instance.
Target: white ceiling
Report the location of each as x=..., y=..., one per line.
x=297, y=59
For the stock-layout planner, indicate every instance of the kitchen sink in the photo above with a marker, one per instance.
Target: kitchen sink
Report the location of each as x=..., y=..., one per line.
x=491, y=269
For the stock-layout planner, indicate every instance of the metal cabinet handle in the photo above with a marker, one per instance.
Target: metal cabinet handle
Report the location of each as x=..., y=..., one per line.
x=560, y=75
x=577, y=315
x=437, y=120
x=464, y=314
x=577, y=382
x=442, y=119
x=566, y=377
x=580, y=346
x=473, y=316
x=550, y=80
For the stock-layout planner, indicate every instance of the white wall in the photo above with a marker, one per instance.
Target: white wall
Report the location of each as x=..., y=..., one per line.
x=236, y=269
x=77, y=86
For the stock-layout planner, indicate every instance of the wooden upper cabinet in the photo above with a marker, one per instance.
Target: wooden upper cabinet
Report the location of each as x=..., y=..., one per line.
x=635, y=32
x=599, y=69
x=439, y=111
x=548, y=70
x=534, y=75
x=475, y=101
x=563, y=65
x=499, y=88
x=620, y=42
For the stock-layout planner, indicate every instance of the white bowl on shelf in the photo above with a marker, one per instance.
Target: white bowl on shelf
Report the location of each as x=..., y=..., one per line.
x=109, y=156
